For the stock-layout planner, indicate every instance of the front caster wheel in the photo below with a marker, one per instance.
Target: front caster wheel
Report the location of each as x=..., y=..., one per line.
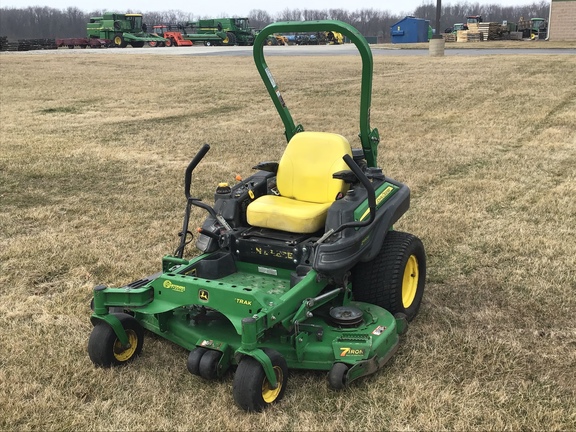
x=104, y=347
x=208, y=366
x=337, y=379
x=252, y=390
x=194, y=358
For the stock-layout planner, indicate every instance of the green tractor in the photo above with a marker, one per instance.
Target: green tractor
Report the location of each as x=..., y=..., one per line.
x=121, y=30
x=221, y=31
x=300, y=267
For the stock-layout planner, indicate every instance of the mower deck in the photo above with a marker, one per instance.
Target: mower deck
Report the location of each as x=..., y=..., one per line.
x=178, y=306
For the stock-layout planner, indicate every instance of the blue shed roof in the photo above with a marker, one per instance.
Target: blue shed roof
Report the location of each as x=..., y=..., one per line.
x=410, y=18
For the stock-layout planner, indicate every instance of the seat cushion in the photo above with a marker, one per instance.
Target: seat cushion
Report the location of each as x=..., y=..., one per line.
x=286, y=214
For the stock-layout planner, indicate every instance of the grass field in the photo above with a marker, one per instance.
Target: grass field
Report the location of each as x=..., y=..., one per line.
x=92, y=155
x=501, y=44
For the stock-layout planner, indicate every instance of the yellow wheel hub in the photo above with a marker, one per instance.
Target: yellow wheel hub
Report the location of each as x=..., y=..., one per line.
x=117, y=40
x=122, y=354
x=268, y=393
x=410, y=281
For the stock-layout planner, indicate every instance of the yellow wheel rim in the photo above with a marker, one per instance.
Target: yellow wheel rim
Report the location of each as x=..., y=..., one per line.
x=268, y=393
x=410, y=281
x=122, y=354
x=117, y=40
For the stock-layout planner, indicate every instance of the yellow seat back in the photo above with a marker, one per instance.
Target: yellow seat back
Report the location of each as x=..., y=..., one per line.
x=306, y=168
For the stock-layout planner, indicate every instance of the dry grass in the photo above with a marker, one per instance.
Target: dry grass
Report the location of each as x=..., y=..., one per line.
x=502, y=44
x=92, y=156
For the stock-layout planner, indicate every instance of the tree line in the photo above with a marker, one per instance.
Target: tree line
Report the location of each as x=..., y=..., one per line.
x=47, y=22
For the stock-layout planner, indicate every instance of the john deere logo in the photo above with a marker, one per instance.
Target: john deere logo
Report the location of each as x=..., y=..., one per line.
x=203, y=295
x=169, y=285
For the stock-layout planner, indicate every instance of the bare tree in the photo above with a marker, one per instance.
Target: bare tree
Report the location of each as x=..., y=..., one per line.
x=259, y=18
x=289, y=15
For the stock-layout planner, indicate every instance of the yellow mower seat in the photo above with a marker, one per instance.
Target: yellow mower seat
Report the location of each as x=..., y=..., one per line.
x=305, y=183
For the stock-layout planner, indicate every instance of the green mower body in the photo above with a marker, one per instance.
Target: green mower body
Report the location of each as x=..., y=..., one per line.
x=263, y=300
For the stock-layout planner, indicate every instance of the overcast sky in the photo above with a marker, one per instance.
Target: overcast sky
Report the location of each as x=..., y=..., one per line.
x=221, y=8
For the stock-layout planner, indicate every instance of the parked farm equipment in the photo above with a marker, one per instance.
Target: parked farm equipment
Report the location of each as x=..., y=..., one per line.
x=83, y=43
x=299, y=268
x=172, y=34
x=121, y=29
x=113, y=30
x=220, y=31
x=535, y=28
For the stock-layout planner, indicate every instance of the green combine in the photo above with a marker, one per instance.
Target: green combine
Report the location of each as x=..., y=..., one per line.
x=300, y=267
x=121, y=30
x=220, y=31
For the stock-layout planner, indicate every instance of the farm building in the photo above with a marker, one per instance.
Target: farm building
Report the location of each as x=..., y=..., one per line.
x=410, y=30
x=562, y=25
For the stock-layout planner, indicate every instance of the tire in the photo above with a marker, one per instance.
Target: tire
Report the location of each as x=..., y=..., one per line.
x=207, y=43
x=337, y=379
x=119, y=41
x=139, y=44
x=231, y=38
x=395, y=278
x=208, y=366
x=168, y=43
x=193, y=363
x=152, y=44
x=251, y=388
x=105, y=349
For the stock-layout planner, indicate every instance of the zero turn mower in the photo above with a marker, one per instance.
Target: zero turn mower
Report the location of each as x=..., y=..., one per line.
x=300, y=267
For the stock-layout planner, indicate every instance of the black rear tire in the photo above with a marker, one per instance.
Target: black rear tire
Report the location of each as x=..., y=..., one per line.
x=395, y=278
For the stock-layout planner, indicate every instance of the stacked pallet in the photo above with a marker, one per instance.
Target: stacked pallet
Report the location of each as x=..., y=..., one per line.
x=473, y=27
x=490, y=30
x=24, y=45
x=468, y=36
x=42, y=44
x=27, y=44
x=462, y=36
x=13, y=46
x=450, y=37
x=475, y=36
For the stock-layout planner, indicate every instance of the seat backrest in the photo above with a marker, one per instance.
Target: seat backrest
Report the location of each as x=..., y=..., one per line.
x=305, y=170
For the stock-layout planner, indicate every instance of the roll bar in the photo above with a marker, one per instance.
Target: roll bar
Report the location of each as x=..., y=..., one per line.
x=368, y=137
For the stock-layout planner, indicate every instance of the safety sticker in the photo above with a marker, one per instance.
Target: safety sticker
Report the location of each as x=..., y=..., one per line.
x=378, y=330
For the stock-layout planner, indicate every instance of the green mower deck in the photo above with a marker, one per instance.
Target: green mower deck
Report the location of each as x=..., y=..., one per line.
x=335, y=294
